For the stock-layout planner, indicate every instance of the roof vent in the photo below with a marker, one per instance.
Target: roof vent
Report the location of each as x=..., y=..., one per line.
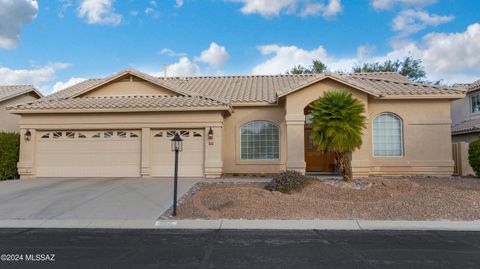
x=165, y=69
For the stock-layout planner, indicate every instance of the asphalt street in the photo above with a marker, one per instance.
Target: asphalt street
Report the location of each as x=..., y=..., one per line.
x=88, y=248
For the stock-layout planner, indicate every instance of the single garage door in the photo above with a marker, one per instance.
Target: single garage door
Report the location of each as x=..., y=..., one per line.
x=191, y=158
x=106, y=153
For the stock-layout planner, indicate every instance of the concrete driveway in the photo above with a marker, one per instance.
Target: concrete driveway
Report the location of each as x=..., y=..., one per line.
x=86, y=202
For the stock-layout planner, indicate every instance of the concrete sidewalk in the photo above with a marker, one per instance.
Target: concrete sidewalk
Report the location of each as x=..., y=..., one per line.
x=316, y=224
x=229, y=224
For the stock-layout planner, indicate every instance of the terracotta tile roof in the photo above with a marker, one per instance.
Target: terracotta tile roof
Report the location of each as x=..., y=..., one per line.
x=72, y=90
x=264, y=88
x=468, y=126
x=238, y=89
x=389, y=83
x=250, y=89
x=474, y=85
x=469, y=86
x=121, y=102
x=10, y=91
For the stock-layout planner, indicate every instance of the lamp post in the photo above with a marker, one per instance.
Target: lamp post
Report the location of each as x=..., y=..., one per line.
x=177, y=146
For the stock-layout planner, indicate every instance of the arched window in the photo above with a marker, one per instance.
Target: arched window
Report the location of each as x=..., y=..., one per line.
x=387, y=135
x=259, y=140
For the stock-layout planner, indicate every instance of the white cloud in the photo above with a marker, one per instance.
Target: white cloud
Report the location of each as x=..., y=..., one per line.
x=179, y=3
x=99, y=12
x=270, y=8
x=411, y=21
x=151, y=10
x=38, y=76
x=286, y=57
x=333, y=7
x=60, y=85
x=215, y=56
x=184, y=67
x=313, y=9
x=365, y=51
x=452, y=54
x=171, y=53
x=63, y=7
x=389, y=4
x=452, y=57
x=13, y=14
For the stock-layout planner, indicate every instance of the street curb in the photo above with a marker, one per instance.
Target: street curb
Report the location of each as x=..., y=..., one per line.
x=316, y=224
x=241, y=224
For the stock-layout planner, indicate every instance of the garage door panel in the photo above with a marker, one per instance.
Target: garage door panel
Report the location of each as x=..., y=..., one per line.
x=191, y=158
x=88, y=154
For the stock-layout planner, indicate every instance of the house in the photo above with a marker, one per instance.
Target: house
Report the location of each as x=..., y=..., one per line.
x=466, y=115
x=11, y=95
x=122, y=126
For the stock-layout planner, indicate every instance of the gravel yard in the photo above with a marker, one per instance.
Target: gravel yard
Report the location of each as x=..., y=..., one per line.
x=375, y=198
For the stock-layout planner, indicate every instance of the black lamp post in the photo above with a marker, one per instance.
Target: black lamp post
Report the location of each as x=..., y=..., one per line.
x=177, y=145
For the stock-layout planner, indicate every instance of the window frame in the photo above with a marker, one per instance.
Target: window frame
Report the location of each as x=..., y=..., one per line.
x=475, y=95
x=402, y=138
x=261, y=160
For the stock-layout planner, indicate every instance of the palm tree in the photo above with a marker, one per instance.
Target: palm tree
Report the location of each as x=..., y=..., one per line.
x=337, y=125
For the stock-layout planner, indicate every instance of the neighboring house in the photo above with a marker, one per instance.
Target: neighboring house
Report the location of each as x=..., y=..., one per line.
x=122, y=126
x=466, y=115
x=12, y=95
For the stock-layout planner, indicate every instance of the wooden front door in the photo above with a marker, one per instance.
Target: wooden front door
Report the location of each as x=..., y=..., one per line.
x=317, y=160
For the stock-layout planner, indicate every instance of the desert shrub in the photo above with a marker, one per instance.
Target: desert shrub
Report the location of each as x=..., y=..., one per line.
x=9, y=148
x=474, y=156
x=287, y=181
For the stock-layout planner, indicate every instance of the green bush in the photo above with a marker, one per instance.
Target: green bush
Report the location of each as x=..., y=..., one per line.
x=287, y=182
x=474, y=156
x=9, y=148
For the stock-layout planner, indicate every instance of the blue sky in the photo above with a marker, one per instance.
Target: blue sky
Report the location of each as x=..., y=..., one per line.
x=55, y=43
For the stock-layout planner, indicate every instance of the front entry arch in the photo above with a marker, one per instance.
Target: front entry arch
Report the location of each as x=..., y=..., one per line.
x=316, y=160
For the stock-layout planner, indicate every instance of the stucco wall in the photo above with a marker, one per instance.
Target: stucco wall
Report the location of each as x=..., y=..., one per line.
x=129, y=88
x=426, y=134
x=10, y=122
x=231, y=141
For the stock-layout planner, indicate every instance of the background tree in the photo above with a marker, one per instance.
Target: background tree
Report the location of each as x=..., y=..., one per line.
x=317, y=67
x=337, y=125
x=409, y=67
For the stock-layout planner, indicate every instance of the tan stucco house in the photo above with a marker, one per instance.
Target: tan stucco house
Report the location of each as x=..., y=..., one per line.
x=12, y=95
x=466, y=115
x=121, y=126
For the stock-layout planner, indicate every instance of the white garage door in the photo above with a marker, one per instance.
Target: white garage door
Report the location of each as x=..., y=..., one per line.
x=108, y=153
x=191, y=158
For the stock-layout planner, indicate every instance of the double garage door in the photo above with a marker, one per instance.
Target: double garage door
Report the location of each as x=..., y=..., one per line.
x=115, y=153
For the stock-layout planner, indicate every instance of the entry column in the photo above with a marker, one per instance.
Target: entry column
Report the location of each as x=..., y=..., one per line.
x=295, y=142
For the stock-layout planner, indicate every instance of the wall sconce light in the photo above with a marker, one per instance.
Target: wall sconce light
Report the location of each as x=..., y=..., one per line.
x=210, y=134
x=28, y=135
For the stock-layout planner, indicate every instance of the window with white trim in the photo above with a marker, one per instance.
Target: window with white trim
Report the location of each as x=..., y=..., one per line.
x=259, y=140
x=475, y=100
x=387, y=136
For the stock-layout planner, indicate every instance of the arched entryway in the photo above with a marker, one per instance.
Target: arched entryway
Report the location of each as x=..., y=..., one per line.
x=316, y=160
